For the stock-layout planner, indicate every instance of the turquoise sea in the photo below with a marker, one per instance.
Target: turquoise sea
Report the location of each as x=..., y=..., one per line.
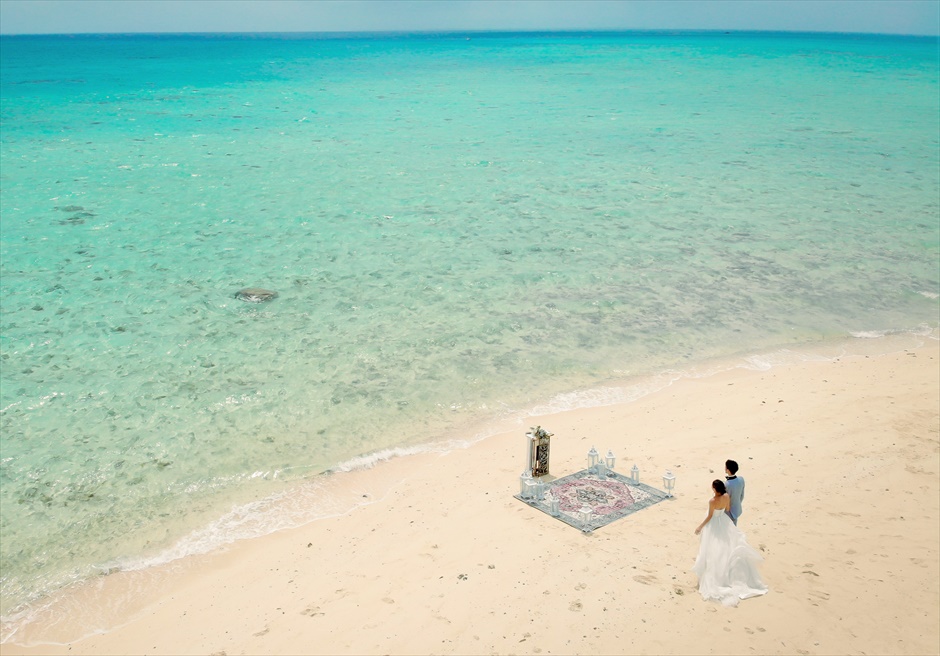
x=459, y=227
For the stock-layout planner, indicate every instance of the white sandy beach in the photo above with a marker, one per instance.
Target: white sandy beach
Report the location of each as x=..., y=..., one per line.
x=842, y=462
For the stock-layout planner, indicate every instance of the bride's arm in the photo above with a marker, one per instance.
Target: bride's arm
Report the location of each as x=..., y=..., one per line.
x=711, y=511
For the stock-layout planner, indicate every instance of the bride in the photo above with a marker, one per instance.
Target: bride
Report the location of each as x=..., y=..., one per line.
x=726, y=564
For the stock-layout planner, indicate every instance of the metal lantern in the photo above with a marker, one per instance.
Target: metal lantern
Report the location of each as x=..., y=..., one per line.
x=600, y=469
x=585, y=513
x=592, y=458
x=635, y=474
x=610, y=460
x=669, y=482
x=555, y=506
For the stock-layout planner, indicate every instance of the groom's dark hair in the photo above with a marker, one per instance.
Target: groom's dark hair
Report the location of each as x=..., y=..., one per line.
x=731, y=466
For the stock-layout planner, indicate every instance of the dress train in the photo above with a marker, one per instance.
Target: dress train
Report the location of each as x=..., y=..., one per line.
x=726, y=564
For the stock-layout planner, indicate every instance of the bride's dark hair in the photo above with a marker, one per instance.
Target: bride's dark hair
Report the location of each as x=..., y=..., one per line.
x=719, y=486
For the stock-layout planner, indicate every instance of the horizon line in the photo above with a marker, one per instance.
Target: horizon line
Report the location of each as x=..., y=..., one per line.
x=648, y=30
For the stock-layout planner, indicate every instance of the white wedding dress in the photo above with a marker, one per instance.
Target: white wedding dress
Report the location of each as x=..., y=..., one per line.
x=727, y=565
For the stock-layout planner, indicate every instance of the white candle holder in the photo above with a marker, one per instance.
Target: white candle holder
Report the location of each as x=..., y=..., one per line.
x=585, y=514
x=669, y=482
x=539, y=491
x=532, y=487
x=523, y=484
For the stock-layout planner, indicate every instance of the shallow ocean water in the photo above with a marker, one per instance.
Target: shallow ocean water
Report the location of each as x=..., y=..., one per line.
x=459, y=227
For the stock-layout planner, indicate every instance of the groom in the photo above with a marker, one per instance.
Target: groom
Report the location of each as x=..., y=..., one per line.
x=735, y=485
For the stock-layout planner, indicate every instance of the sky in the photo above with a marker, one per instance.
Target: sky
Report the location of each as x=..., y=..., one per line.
x=920, y=17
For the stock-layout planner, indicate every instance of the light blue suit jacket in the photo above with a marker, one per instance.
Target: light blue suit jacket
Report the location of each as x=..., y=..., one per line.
x=735, y=488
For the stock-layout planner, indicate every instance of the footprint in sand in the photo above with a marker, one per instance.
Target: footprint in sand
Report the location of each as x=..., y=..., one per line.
x=580, y=586
x=645, y=579
x=312, y=610
x=388, y=600
x=575, y=606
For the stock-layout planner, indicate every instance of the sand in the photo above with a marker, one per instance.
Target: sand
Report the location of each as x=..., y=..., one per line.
x=842, y=462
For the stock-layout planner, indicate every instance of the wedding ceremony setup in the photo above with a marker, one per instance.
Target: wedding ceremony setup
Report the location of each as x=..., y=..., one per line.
x=587, y=499
x=285, y=286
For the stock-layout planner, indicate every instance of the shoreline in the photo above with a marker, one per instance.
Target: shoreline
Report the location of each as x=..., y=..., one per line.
x=390, y=558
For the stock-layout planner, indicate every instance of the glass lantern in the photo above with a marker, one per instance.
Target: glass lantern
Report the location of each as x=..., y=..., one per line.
x=531, y=489
x=585, y=514
x=669, y=482
x=610, y=460
x=523, y=484
x=592, y=458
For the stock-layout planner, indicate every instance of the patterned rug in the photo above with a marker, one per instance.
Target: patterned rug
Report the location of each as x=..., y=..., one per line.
x=609, y=497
